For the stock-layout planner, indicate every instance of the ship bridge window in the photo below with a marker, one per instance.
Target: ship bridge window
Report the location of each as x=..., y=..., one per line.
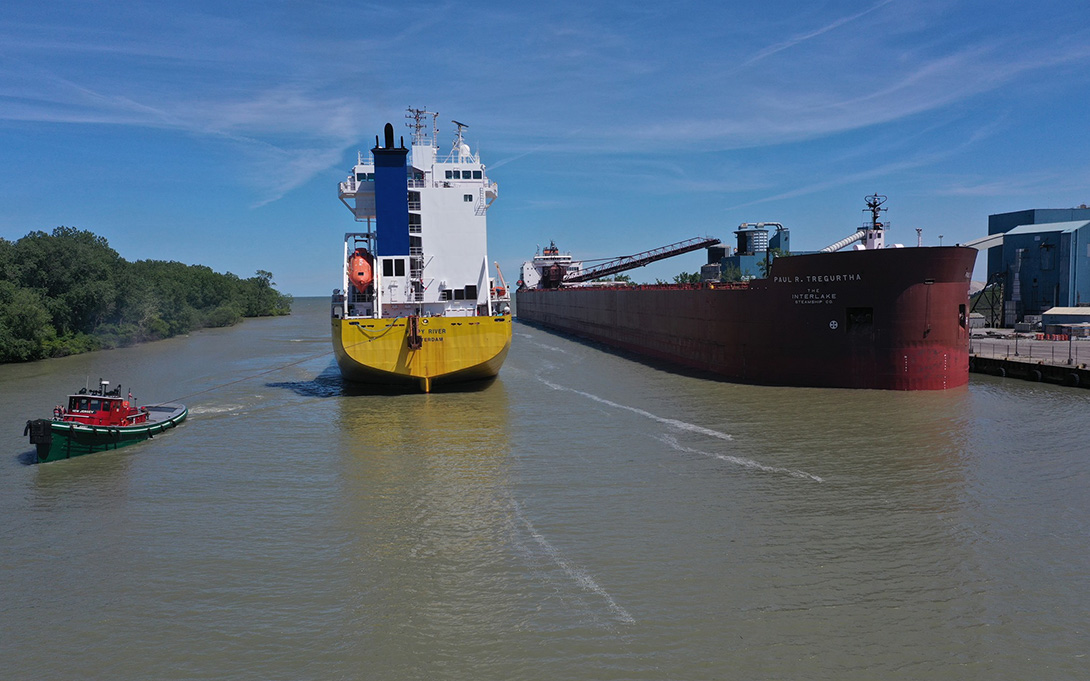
x=459, y=294
x=360, y=177
x=450, y=174
x=393, y=267
x=476, y=174
x=471, y=293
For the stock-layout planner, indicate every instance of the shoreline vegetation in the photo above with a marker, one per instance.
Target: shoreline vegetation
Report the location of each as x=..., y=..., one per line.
x=68, y=292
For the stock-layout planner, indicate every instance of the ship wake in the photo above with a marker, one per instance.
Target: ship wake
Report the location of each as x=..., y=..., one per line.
x=577, y=574
x=673, y=423
x=739, y=461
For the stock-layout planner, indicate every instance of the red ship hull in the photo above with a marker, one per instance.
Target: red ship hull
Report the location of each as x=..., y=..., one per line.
x=890, y=319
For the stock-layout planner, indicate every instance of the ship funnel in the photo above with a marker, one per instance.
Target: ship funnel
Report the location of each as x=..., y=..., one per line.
x=389, y=130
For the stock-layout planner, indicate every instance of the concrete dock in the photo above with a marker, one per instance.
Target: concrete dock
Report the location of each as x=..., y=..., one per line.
x=1002, y=352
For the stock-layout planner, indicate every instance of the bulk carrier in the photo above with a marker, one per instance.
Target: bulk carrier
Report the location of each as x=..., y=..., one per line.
x=876, y=316
x=417, y=306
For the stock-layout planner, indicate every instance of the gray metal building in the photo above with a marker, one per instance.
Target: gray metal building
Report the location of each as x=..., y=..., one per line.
x=1044, y=261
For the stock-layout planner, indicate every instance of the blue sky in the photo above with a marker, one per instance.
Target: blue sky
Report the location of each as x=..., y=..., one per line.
x=216, y=133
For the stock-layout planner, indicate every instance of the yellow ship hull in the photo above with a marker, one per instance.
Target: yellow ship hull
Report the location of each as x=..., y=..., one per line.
x=443, y=349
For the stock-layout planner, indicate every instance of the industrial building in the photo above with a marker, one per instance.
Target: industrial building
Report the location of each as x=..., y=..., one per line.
x=753, y=252
x=1043, y=261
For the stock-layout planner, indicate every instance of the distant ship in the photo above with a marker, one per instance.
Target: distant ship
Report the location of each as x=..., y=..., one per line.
x=417, y=306
x=878, y=316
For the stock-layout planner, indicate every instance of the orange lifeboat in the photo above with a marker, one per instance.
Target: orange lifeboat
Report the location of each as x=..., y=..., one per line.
x=360, y=271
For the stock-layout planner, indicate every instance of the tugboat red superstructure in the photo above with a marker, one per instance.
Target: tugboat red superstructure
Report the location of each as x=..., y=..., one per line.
x=97, y=420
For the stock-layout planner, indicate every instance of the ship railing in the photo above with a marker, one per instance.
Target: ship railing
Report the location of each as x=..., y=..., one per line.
x=414, y=205
x=416, y=184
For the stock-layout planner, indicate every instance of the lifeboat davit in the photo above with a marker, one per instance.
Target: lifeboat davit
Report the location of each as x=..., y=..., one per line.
x=360, y=270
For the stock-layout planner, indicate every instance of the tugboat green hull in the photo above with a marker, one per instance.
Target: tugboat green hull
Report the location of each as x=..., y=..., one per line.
x=56, y=439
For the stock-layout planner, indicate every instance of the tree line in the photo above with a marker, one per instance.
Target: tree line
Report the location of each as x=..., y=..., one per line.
x=69, y=292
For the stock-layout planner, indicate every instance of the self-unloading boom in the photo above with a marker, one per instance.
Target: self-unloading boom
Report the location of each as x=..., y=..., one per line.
x=630, y=262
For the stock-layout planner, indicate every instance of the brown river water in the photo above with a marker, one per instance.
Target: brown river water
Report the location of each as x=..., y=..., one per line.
x=584, y=516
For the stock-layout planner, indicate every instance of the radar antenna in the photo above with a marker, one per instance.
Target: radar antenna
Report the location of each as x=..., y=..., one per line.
x=874, y=202
x=461, y=149
x=461, y=128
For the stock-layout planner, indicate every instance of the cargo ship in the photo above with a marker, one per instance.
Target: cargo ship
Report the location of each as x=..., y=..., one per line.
x=417, y=306
x=875, y=316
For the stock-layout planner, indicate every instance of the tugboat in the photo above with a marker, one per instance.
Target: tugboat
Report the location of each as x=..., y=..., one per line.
x=417, y=306
x=98, y=420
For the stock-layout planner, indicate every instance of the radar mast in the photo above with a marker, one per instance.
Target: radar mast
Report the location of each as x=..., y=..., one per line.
x=419, y=125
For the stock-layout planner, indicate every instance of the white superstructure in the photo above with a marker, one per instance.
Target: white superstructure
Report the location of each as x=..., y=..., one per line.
x=446, y=272
x=548, y=268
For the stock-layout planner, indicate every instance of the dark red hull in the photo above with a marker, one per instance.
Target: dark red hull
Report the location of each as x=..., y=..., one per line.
x=891, y=319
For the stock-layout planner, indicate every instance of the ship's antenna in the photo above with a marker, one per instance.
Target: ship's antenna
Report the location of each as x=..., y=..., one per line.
x=874, y=202
x=919, y=237
x=418, y=116
x=461, y=127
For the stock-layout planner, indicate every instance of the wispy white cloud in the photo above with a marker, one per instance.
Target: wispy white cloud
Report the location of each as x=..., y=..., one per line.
x=1071, y=182
x=656, y=83
x=809, y=35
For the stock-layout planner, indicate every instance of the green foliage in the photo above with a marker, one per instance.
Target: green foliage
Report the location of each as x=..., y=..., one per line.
x=688, y=278
x=620, y=278
x=69, y=292
x=763, y=266
x=731, y=273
